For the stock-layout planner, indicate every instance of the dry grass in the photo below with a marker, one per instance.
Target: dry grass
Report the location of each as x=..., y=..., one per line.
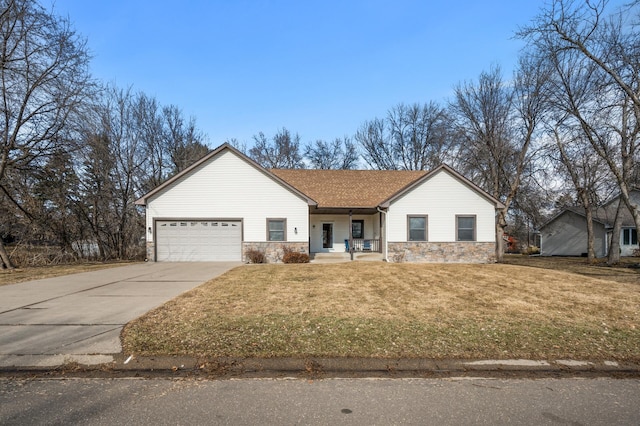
x=396, y=310
x=628, y=271
x=19, y=275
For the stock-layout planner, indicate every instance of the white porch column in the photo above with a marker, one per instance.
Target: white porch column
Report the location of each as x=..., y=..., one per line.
x=383, y=234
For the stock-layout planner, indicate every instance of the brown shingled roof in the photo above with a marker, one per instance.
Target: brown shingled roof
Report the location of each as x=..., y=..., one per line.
x=348, y=188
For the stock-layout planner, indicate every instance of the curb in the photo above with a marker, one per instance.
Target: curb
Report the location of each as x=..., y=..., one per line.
x=119, y=365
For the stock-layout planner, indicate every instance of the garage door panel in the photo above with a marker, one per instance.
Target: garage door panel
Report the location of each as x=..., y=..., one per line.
x=198, y=241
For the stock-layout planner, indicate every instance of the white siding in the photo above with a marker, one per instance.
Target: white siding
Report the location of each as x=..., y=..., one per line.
x=341, y=230
x=441, y=197
x=227, y=187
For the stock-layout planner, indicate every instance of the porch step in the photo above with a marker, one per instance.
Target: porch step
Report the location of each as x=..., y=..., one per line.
x=344, y=257
x=376, y=257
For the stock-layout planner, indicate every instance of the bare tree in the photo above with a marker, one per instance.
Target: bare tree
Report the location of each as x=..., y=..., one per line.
x=147, y=125
x=281, y=152
x=576, y=157
x=419, y=135
x=184, y=141
x=339, y=154
x=497, y=123
x=240, y=146
x=377, y=150
x=412, y=137
x=114, y=160
x=570, y=88
x=580, y=34
x=44, y=78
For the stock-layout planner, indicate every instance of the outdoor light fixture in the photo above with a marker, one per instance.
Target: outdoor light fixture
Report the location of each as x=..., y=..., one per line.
x=295, y=230
x=149, y=229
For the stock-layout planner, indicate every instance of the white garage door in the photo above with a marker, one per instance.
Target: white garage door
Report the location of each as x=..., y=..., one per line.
x=198, y=241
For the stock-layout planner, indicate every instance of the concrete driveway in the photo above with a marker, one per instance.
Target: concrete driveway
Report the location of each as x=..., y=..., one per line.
x=79, y=317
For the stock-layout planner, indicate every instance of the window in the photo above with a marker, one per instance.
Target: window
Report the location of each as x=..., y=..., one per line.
x=357, y=228
x=465, y=228
x=417, y=228
x=276, y=229
x=629, y=237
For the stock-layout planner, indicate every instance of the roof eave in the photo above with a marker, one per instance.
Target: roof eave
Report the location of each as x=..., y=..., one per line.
x=498, y=204
x=142, y=201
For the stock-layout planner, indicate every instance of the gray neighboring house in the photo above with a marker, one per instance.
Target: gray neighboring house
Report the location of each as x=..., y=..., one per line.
x=566, y=233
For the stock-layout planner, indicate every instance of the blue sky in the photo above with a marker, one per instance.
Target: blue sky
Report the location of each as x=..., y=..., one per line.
x=318, y=68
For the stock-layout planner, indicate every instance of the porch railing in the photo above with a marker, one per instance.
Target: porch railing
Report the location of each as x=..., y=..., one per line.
x=364, y=244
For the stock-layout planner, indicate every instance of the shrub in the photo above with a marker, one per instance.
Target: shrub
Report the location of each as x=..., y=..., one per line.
x=291, y=256
x=295, y=257
x=256, y=256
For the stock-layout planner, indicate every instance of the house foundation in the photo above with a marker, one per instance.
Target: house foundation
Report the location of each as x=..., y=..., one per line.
x=428, y=252
x=274, y=251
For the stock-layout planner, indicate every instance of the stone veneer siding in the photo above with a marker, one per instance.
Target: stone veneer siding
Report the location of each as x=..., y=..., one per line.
x=458, y=252
x=273, y=250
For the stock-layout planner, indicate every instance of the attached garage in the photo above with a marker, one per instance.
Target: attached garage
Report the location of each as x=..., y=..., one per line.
x=219, y=207
x=198, y=240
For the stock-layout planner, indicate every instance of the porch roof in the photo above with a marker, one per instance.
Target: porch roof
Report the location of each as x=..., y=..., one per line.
x=348, y=188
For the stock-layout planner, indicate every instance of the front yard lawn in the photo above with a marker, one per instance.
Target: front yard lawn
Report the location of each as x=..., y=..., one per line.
x=367, y=309
x=627, y=271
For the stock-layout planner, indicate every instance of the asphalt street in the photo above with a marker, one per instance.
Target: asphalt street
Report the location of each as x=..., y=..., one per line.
x=602, y=401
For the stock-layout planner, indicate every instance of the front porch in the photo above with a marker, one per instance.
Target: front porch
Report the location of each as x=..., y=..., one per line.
x=345, y=257
x=343, y=233
x=364, y=245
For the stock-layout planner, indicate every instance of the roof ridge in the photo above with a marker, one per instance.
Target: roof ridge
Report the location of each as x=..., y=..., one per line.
x=362, y=188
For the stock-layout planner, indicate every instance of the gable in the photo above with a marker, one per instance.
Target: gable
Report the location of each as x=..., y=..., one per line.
x=607, y=212
x=220, y=176
x=454, y=181
x=227, y=187
x=604, y=214
x=443, y=189
x=441, y=198
x=566, y=235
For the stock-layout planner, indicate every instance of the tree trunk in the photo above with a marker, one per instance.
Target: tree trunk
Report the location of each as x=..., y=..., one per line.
x=4, y=257
x=500, y=226
x=613, y=257
x=591, y=253
x=583, y=194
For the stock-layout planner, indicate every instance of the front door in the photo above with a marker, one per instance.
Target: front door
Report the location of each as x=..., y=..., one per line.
x=327, y=235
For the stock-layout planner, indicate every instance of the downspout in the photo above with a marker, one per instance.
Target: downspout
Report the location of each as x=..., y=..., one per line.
x=385, y=248
x=351, y=233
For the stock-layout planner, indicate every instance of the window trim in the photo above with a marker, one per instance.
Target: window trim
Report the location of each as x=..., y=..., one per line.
x=627, y=234
x=357, y=221
x=284, y=226
x=475, y=226
x=426, y=226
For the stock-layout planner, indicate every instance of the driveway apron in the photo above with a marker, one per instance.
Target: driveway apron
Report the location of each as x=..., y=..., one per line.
x=79, y=317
